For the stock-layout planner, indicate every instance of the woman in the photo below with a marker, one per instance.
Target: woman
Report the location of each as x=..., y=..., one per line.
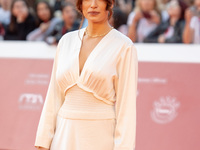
x=69, y=23
x=21, y=22
x=171, y=30
x=91, y=100
x=144, y=19
x=125, y=6
x=46, y=22
x=191, y=32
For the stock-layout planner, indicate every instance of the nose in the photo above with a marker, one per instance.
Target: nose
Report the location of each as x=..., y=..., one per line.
x=93, y=4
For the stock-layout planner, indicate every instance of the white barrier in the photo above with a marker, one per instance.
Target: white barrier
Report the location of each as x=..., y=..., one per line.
x=146, y=52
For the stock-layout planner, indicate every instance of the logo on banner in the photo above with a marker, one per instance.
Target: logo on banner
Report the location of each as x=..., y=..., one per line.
x=165, y=110
x=30, y=101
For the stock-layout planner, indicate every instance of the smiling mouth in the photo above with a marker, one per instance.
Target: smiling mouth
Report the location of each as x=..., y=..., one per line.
x=93, y=13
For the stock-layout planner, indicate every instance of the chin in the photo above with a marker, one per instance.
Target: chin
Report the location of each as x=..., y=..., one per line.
x=95, y=19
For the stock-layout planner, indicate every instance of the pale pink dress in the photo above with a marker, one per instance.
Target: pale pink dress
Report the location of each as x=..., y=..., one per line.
x=94, y=110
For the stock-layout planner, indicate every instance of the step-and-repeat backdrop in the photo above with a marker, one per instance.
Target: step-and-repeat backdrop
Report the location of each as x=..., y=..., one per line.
x=168, y=101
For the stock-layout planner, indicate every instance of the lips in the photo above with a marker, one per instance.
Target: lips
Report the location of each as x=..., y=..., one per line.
x=93, y=13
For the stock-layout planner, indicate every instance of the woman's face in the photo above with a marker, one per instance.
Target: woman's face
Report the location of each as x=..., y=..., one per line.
x=147, y=5
x=95, y=10
x=43, y=12
x=69, y=14
x=5, y=4
x=197, y=4
x=173, y=9
x=19, y=9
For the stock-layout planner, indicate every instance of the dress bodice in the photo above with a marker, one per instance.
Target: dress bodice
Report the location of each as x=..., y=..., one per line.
x=100, y=72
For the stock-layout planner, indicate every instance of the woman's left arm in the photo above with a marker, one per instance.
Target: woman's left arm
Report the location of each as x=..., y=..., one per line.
x=125, y=106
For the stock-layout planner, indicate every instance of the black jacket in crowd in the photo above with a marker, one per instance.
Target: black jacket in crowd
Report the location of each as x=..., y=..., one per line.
x=21, y=30
x=176, y=38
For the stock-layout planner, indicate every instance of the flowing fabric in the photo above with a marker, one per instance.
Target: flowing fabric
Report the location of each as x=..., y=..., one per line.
x=109, y=78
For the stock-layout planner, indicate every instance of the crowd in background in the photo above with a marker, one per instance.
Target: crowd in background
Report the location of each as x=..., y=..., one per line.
x=144, y=21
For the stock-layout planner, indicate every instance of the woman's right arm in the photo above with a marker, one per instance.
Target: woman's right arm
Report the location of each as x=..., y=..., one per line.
x=52, y=104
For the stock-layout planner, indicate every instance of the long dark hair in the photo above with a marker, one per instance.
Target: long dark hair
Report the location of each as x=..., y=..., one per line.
x=183, y=7
x=48, y=6
x=66, y=4
x=13, y=20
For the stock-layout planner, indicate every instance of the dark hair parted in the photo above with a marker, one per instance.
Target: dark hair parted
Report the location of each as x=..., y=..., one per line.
x=13, y=20
x=66, y=4
x=49, y=8
x=108, y=7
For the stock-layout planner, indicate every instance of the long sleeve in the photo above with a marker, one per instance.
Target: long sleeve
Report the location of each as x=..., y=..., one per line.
x=35, y=35
x=52, y=104
x=125, y=106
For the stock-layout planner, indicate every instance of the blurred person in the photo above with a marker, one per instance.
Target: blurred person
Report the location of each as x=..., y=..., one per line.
x=189, y=2
x=58, y=4
x=118, y=20
x=69, y=23
x=5, y=11
x=91, y=99
x=22, y=21
x=171, y=30
x=46, y=22
x=126, y=6
x=144, y=19
x=191, y=32
x=70, y=1
x=163, y=4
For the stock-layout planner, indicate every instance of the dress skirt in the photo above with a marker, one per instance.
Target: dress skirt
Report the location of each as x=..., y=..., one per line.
x=84, y=123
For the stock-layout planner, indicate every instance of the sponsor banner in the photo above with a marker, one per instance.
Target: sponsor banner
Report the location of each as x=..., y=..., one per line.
x=168, y=106
x=24, y=84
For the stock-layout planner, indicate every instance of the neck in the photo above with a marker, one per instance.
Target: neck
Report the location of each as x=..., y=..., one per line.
x=98, y=28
